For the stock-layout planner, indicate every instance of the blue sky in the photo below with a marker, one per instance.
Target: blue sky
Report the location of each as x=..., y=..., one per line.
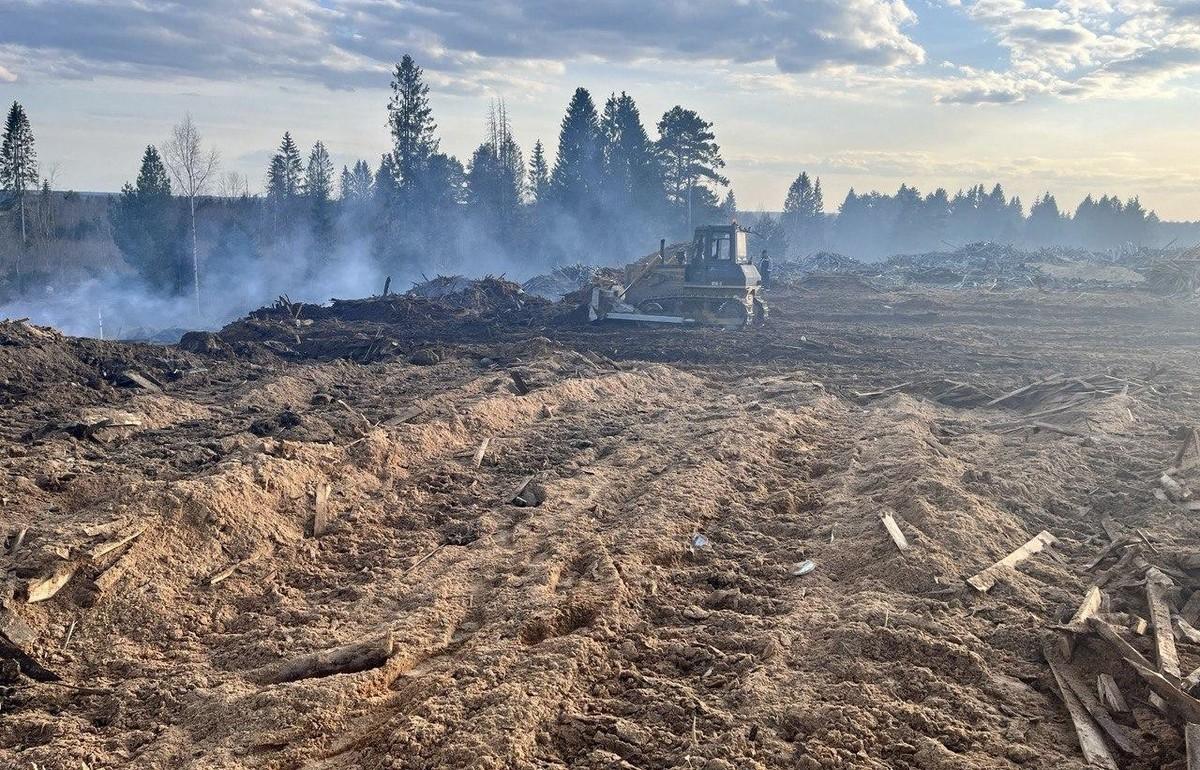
x=1074, y=96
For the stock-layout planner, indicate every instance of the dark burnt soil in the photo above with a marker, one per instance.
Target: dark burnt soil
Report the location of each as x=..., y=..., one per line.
x=582, y=624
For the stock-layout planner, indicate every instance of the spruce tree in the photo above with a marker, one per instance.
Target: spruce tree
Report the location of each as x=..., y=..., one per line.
x=148, y=229
x=410, y=120
x=318, y=189
x=18, y=161
x=577, y=167
x=634, y=188
x=539, y=173
x=803, y=213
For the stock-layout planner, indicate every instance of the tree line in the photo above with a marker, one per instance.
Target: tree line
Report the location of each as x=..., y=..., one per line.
x=878, y=225
x=608, y=194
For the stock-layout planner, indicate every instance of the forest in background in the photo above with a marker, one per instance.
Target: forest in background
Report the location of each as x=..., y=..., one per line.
x=183, y=232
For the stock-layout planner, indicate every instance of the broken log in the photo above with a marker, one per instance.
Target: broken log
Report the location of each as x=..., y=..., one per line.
x=984, y=580
x=350, y=659
x=893, y=529
x=1160, y=617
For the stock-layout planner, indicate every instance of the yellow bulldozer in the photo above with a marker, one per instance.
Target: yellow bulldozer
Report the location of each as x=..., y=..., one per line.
x=709, y=281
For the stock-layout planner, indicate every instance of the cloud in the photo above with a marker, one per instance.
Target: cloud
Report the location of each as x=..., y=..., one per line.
x=1083, y=48
x=345, y=43
x=7, y=75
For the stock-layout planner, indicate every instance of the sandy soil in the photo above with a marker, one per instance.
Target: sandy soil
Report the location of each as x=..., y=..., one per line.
x=584, y=625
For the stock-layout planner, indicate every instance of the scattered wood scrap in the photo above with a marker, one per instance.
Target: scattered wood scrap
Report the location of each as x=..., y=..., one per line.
x=407, y=415
x=893, y=529
x=1091, y=740
x=100, y=550
x=320, y=510
x=526, y=494
x=477, y=460
x=140, y=380
x=519, y=382
x=1065, y=674
x=1110, y=694
x=50, y=582
x=350, y=659
x=1191, y=443
x=984, y=580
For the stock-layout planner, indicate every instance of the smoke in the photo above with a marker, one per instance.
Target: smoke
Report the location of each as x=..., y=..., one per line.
x=118, y=305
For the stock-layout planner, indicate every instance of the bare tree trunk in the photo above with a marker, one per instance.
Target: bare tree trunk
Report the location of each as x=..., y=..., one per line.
x=24, y=238
x=195, y=256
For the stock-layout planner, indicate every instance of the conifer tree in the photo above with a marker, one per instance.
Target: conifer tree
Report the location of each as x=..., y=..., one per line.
x=691, y=158
x=318, y=189
x=18, y=161
x=539, y=173
x=410, y=120
x=147, y=227
x=577, y=167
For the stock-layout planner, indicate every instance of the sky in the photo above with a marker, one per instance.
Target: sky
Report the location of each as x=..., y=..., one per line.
x=1070, y=96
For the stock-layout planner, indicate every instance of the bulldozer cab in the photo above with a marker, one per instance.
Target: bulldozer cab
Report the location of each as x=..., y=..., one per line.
x=720, y=243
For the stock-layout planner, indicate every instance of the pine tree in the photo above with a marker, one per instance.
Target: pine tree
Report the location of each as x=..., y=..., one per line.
x=18, y=161
x=691, y=157
x=539, y=173
x=1045, y=226
x=577, y=167
x=410, y=120
x=346, y=185
x=148, y=229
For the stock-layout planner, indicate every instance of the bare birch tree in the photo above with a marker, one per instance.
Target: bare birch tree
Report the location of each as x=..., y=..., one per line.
x=193, y=168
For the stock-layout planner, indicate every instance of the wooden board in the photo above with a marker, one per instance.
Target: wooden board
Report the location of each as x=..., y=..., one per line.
x=1160, y=617
x=893, y=529
x=987, y=578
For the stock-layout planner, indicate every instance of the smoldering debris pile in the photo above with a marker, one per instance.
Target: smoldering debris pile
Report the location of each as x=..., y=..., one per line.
x=378, y=328
x=568, y=279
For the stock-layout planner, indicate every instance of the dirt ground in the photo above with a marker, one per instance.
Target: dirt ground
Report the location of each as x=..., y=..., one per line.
x=636, y=605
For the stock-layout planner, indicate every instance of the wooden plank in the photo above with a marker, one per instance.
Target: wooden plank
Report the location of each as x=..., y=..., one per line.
x=1088, y=607
x=1114, y=640
x=1091, y=741
x=1110, y=694
x=1191, y=737
x=1187, y=630
x=405, y=416
x=1183, y=704
x=893, y=529
x=1065, y=674
x=321, y=509
x=1160, y=618
x=481, y=451
x=987, y=578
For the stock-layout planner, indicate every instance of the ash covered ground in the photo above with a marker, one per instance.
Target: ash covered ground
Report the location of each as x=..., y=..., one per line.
x=469, y=531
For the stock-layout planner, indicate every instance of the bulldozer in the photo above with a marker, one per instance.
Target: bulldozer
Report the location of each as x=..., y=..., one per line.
x=709, y=281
